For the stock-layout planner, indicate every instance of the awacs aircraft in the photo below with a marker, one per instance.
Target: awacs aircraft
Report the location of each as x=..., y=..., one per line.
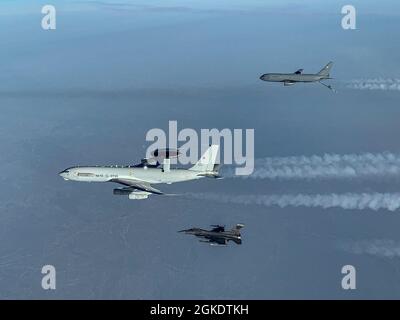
x=218, y=235
x=138, y=179
x=289, y=79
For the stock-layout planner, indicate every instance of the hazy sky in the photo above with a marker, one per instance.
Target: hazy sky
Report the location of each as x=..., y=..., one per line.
x=88, y=92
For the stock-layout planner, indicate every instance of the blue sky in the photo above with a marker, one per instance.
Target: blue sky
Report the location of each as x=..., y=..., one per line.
x=192, y=40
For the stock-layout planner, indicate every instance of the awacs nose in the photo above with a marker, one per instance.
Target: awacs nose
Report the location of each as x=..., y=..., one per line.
x=63, y=174
x=264, y=77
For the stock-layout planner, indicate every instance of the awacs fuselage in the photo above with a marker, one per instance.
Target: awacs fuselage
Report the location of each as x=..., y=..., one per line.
x=137, y=179
x=111, y=173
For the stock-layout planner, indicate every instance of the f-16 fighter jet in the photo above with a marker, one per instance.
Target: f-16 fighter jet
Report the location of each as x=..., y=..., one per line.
x=217, y=235
x=289, y=79
x=137, y=179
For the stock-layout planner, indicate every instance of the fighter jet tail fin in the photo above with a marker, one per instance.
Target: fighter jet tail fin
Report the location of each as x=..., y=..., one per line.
x=207, y=161
x=325, y=70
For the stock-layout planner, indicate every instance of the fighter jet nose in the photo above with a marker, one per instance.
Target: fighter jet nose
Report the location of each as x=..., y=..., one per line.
x=187, y=231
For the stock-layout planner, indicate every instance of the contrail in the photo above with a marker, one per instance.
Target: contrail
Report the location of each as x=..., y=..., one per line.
x=359, y=201
x=325, y=166
x=375, y=84
x=381, y=248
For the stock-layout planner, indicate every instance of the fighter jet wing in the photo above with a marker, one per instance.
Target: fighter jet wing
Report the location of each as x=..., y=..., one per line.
x=139, y=185
x=299, y=71
x=220, y=241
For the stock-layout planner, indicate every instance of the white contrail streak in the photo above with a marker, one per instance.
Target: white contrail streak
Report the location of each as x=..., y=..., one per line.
x=326, y=166
x=360, y=201
x=380, y=248
x=375, y=84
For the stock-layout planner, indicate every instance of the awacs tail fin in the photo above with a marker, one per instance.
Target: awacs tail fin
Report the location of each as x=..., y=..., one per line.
x=207, y=161
x=212, y=174
x=325, y=70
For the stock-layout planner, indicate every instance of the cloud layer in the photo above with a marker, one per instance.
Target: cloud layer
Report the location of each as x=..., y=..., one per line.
x=379, y=248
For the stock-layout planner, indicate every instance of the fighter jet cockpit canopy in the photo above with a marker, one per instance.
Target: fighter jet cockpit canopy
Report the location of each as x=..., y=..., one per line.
x=217, y=228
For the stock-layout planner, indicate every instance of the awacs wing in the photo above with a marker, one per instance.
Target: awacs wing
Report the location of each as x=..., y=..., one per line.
x=139, y=185
x=299, y=71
